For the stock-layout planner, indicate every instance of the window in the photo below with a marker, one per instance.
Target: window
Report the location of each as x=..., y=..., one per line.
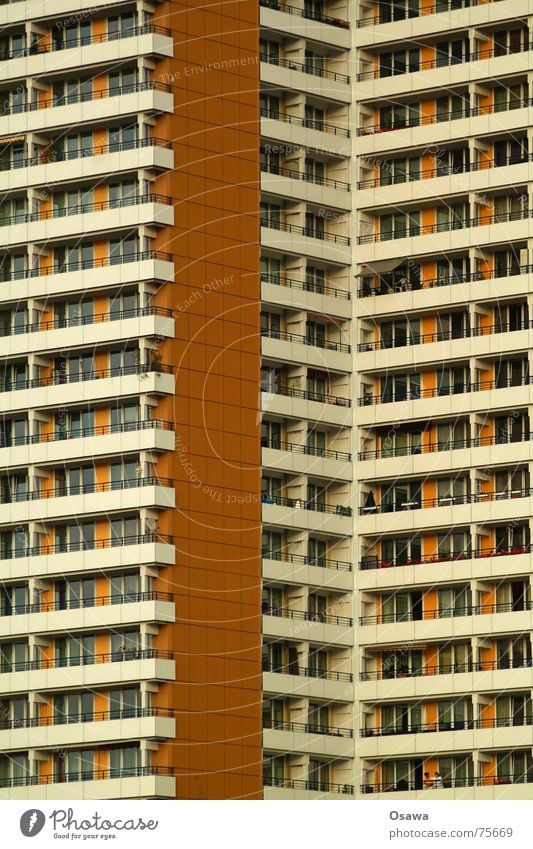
x=451, y=435
x=398, y=10
x=400, y=387
x=269, y=105
x=123, y=194
x=124, y=703
x=125, y=417
x=74, y=423
x=73, y=707
x=270, y=215
x=452, y=381
x=392, y=171
x=75, y=537
x=397, y=116
x=125, y=474
x=73, y=313
x=126, y=361
x=453, y=545
x=398, y=225
x=125, y=645
x=399, y=62
x=13, y=599
x=270, y=270
x=121, y=26
x=72, y=91
x=125, y=531
x=400, y=719
x=125, y=588
x=314, y=279
x=125, y=249
x=123, y=82
x=75, y=651
x=123, y=138
x=269, y=51
x=401, y=496
x=78, y=765
x=452, y=52
x=397, y=334
x=314, y=118
x=401, y=550
x=453, y=106
x=454, y=601
x=75, y=592
x=73, y=257
x=71, y=34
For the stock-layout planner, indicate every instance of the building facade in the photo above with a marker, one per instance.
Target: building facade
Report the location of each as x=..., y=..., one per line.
x=395, y=341
x=264, y=292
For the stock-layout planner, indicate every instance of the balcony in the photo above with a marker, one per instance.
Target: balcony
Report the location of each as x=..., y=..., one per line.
x=307, y=177
x=429, y=229
x=98, y=328
x=450, y=280
x=308, y=395
x=434, y=447
x=305, y=616
x=307, y=672
x=97, y=601
x=435, y=392
x=300, y=504
x=89, y=729
x=444, y=62
x=78, y=97
x=307, y=123
x=445, y=501
x=433, y=727
x=310, y=785
x=445, y=336
x=299, y=339
x=446, y=669
x=45, y=550
x=449, y=613
x=293, y=447
x=85, y=432
x=308, y=232
x=307, y=560
x=448, y=783
x=374, y=562
x=141, y=209
x=427, y=9
x=86, y=775
x=440, y=118
x=443, y=170
x=41, y=47
x=305, y=68
x=309, y=14
x=306, y=728
x=122, y=656
x=62, y=378
x=313, y=287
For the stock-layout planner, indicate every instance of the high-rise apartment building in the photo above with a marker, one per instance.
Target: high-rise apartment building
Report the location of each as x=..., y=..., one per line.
x=395, y=343
x=288, y=237
x=307, y=388
x=129, y=444
x=443, y=154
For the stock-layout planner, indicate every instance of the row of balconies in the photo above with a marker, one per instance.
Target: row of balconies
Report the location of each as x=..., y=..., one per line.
x=460, y=48
x=59, y=38
x=397, y=10
x=321, y=12
x=450, y=161
x=433, y=122
x=412, y=224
